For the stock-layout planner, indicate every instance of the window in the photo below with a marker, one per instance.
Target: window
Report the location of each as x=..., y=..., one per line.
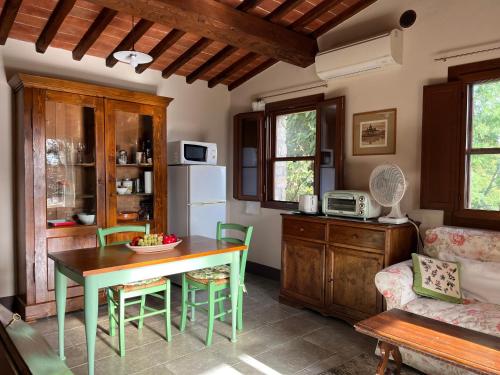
x=460, y=164
x=299, y=132
x=293, y=156
x=293, y=148
x=483, y=147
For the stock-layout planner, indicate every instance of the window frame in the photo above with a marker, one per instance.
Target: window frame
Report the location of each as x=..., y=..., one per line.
x=273, y=110
x=468, y=75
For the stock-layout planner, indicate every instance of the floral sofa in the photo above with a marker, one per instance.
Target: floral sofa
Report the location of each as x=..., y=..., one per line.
x=395, y=283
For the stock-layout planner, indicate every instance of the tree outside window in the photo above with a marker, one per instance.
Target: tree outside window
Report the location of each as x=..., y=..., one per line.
x=483, y=147
x=295, y=150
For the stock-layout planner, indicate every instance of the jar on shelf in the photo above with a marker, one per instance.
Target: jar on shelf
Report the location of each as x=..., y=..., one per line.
x=129, y=184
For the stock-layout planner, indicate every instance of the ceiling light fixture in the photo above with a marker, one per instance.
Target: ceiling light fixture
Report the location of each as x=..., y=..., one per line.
x=133, y=57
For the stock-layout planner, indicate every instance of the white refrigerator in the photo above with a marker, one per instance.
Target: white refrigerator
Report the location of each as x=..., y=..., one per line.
x=196, y=199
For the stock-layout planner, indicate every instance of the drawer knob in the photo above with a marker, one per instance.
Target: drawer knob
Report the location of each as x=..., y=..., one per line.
x=355, y=236
x=301, y=229
x=330, y=280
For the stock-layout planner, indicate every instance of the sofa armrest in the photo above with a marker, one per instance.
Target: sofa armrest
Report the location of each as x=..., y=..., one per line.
x=395, y=283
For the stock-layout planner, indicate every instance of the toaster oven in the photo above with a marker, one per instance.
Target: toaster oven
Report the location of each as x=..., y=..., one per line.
x=351, y=203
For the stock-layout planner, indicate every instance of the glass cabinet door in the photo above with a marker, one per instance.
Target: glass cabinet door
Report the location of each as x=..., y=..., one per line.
x=71, y=178
x=248, y=131
x=135, y=152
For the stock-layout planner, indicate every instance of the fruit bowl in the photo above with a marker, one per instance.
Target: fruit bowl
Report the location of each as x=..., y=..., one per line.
x=152, y=243
x=153, y=248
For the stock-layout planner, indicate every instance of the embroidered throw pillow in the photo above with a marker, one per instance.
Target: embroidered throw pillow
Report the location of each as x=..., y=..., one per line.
x=436, y=278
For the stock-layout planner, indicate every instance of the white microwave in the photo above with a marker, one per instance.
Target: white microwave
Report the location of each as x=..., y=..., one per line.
x=191, y=152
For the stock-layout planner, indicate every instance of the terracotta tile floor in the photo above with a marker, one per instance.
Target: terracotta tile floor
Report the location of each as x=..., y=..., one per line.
x=276, y=339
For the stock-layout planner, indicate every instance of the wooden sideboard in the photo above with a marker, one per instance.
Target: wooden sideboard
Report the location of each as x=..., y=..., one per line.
x=329, y=264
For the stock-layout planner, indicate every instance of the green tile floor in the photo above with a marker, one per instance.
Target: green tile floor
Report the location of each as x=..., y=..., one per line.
x=276, y=339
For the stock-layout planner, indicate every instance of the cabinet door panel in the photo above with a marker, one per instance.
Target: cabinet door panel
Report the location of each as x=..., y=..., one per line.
x=353, y=280
x=68, y=174
x=135, y=149
x=303, y=271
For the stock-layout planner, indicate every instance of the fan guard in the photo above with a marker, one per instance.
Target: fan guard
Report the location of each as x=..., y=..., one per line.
x=387, y=186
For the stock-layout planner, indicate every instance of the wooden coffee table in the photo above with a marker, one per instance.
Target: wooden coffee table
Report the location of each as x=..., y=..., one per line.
x=471, y=350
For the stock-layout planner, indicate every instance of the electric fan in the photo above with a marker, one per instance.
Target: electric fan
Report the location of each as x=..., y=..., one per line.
x=387, y=186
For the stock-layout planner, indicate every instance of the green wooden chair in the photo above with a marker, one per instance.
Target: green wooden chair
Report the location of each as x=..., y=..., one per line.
x=118, y=296
x=215, y=280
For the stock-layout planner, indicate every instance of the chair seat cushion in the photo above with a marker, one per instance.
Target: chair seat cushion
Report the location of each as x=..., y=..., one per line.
x=143, y=284
x=217, y=274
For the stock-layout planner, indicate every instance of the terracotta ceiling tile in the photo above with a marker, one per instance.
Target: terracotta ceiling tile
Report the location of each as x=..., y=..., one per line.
x=34, y=14
x=88, y=5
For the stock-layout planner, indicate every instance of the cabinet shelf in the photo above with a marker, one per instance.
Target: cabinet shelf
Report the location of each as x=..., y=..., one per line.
x=134, y=165
x=135, y=195
x=135, y=222
x=82, y=165
x=85, y=196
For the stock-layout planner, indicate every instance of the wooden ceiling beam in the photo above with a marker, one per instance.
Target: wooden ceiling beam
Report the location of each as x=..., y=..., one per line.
x=252, y=73
x=225, y=52
x=185, y=57
x=210, y=63
x=314, y=13
x=280, y=11
x=274, y=16
x=222, y=23
x=133, y=36
x=102, y=20
x=248, y=4
x=7, y=18
x=53, y=24
x=345, y=15
x=169, y=40
x=245, y=60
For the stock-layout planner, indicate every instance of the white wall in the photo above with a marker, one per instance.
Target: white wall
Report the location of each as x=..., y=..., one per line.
x=441, y=26
x=195, y=113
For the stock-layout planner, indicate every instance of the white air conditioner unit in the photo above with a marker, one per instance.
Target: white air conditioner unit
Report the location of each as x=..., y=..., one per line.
x=367, y=55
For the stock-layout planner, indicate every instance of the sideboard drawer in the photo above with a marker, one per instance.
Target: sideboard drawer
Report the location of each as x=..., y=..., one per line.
x=304, y=229
x=357, y=236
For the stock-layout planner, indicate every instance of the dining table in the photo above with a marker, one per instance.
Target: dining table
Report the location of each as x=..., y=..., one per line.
x=102, y=267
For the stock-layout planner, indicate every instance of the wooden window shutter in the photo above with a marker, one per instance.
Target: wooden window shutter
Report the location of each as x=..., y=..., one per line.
x=441, y=139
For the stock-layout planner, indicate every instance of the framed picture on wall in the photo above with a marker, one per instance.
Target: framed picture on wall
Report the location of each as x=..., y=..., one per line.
x=374, y=133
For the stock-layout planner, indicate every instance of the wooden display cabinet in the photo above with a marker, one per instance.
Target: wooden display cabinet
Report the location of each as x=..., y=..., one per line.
x=67, y=137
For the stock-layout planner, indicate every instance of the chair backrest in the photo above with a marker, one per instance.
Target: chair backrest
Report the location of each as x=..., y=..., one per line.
x=246, y=238
x=102, y=233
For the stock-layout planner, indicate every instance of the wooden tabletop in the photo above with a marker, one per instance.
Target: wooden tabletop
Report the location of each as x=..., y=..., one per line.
x=92, y=261
x=464, y=347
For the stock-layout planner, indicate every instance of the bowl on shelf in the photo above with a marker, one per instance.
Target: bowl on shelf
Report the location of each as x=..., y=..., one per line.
x=86, y=219
x=128, y=216
x=122, y=190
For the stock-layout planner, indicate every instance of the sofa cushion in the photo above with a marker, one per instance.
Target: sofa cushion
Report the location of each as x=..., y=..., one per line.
x=479, y=280
x=436, y=278
x=482, y=317
x=469, y=243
